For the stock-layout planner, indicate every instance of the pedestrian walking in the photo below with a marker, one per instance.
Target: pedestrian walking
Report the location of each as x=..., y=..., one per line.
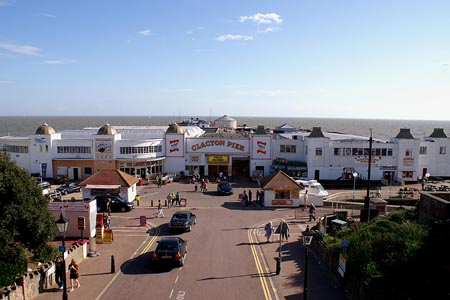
x=268, y=228
x=59, y=272
x=73, y=274
x=284, y=230
x=312, y=212
x=250, y=196
x=177, y=198
x=245, y=198
x=195, y=185
x=305, y=199
x=160, y=210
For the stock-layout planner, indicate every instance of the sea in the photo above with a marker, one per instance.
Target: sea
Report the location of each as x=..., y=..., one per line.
x=384, y=129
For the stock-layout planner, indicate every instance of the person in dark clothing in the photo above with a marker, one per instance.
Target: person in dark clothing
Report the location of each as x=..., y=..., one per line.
x=59, y=272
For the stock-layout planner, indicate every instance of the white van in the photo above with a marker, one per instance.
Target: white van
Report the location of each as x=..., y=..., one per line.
x=316, y=192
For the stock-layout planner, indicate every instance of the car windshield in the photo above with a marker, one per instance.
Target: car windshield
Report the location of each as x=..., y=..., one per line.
x=167, y=246
x=224, y=184
x=179, y=216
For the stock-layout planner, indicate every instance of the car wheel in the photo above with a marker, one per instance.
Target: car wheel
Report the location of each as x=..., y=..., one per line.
x=123, y=209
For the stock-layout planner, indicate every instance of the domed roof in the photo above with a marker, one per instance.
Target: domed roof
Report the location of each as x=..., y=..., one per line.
x=45, y=129
x=225, y=118
x=107, y=130
x=175, y=128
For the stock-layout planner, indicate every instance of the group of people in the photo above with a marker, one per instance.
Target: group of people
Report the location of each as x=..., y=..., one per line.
x=73, y=273
x=282, y=229
x=203, y=182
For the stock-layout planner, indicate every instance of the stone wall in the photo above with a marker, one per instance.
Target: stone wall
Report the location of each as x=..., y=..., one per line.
x=36, y=281
x=434, y=206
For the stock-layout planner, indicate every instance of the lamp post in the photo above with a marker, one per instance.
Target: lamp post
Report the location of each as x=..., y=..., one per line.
x=355, y=174
x=307, y=239
x=63, y=224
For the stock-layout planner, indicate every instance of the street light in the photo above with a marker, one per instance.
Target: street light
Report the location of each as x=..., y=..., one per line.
x=355, y=174
x=307, y=239
x=63, y=224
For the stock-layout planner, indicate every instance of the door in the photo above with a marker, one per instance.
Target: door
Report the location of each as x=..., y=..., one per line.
x=317, y=175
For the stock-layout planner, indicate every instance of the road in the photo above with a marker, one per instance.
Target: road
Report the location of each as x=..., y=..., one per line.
x=227, y=254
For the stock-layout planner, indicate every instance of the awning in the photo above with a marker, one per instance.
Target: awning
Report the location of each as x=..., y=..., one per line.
x=290, y=165
x=102, y=186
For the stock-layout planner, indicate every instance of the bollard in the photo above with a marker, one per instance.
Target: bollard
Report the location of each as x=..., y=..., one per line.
x=165, y=203
x=151, y=203
x=278, y=270
x=113, y=265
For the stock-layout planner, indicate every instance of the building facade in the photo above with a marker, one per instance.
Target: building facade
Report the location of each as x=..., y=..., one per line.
x=143, y=151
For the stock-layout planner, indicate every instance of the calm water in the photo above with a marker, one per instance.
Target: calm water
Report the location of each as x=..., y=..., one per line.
x=382, y=129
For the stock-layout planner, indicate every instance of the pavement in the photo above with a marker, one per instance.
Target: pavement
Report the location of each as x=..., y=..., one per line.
x=96, y=275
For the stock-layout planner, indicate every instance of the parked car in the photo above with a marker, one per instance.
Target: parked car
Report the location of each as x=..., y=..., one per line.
x=116, y=203
x=45, y=187
x=68, y=188
x=170, y=251
x=182, y=220
x=224, y=188
x=59, y=179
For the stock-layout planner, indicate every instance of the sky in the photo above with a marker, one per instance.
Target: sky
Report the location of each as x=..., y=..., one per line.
x=374, y=59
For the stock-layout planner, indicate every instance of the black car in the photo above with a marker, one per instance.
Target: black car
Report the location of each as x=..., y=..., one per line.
x=224, y=188
x=68, y=188
x=169, y=252
x=182, y=220
x=116, y=203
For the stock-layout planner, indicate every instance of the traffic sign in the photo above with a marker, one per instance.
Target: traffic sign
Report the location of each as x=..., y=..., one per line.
x=62, y=249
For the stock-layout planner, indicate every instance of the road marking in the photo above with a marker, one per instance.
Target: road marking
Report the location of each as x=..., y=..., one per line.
x=262, y=279
x=150, y=243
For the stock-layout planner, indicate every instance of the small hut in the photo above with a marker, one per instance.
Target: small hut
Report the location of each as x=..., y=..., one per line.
x=280, y=190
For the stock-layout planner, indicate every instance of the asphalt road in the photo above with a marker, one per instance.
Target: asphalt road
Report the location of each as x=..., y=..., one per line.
x=226, y=256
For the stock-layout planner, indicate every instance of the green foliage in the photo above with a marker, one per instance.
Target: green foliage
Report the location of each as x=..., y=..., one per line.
x=8, y=270
x=380, y=252
x=24, y=216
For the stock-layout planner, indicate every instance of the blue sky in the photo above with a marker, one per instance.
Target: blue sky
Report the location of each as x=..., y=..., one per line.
x=297, y=58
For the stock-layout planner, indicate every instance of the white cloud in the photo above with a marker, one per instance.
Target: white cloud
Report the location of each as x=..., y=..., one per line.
x=58, y=61
x=47, y=15
x=268, y=29
x=145, y=32
x=259, y=18
x=4, y=3
x=20, y=49
x=7, y=81
x=234, y=37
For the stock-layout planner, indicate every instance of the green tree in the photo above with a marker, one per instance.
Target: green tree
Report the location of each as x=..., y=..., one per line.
x=25, y=220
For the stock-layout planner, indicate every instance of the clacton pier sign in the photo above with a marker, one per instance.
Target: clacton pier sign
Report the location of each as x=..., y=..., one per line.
x=218, y=145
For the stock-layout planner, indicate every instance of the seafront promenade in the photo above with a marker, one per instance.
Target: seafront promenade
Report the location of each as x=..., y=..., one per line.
x=95, y=273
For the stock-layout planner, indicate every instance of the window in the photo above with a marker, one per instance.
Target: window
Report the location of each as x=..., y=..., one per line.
x=442, y=150
x=141, y=150
x=73, y=149
x=337, y=151
x=390, y=152
x=407, y=174
x=87, y=171
x=288, y=148
x=408, y=153
x=16, y=149
x=318, y=151
x=423, y=150
x=282, y=194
